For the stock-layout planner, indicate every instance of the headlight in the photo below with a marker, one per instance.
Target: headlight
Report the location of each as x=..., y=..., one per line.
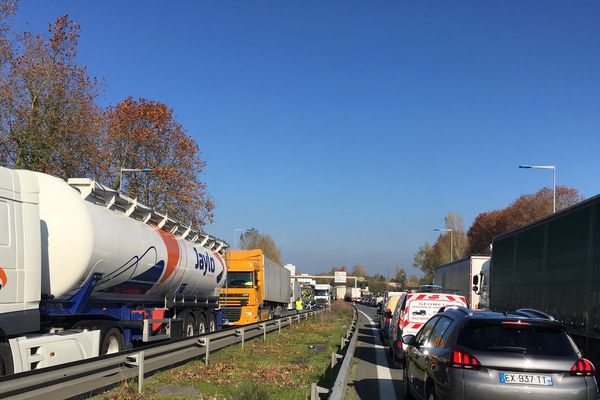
x=248, y=313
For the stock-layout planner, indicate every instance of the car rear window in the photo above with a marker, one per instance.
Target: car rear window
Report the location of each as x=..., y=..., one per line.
x=548, y=340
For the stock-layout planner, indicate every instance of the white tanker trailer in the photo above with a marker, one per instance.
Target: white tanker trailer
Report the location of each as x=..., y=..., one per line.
x=85, y=271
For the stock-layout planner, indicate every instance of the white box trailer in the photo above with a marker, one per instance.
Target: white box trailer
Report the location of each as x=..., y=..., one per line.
x=340, y=292
x=458, y=276
x=277, y=282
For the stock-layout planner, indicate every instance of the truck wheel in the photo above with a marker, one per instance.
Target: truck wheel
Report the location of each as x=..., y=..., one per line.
x=112, y=342
x=6, y=361
x=211, y=322
x=201, y=325
x=188, y=326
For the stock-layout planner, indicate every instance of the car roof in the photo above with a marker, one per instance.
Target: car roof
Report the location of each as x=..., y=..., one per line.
x=494, y=315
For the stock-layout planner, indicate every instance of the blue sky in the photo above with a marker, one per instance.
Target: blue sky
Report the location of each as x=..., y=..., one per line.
x=348, y=129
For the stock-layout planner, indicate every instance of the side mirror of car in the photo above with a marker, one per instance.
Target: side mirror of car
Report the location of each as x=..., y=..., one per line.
x=409, y=340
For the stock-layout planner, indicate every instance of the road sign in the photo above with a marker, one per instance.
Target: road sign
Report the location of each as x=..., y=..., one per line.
x=340, y=276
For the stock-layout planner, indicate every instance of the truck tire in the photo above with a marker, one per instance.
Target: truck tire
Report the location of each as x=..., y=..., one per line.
x=201, y=325
x=112, y=341
x=211, y=322
x=189, y=326
x=6, y=360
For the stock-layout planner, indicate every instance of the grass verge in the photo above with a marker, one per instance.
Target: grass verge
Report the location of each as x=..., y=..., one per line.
x=282, y=367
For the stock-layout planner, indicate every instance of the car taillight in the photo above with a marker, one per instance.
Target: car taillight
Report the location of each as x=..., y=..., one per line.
x=461, y=359
x=583, y=367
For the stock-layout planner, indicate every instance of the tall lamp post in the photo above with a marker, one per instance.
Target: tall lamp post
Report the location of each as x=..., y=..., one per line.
x=553, y=168
x=142, y=170
x=451, y=244
x=235, y=231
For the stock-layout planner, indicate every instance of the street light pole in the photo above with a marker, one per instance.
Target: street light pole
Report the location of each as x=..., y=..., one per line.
x=451, y=241
x=144, y=170
x=235, y=235
x=553, y=168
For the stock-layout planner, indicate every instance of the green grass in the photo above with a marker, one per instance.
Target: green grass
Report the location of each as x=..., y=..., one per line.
x=282, y=367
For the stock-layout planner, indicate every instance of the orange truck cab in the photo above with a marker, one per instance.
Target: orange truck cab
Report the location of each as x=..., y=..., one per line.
x=256, y=289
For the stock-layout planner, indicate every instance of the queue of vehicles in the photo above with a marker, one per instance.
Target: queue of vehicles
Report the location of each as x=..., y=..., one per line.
x=531, y=331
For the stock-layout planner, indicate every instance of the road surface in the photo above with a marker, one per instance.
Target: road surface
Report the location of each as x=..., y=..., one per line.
x=373, y=376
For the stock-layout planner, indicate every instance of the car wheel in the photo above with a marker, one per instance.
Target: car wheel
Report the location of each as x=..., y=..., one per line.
x=406, y=394
x=188, y=326
x=113, y=342
x=432, y=395
x=6, y=361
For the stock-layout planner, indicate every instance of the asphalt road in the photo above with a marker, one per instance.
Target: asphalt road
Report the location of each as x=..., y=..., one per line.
x=374, y=377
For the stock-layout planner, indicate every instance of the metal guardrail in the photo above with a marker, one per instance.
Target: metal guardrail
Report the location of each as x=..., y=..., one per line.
x=338, y=389
x=88, y=376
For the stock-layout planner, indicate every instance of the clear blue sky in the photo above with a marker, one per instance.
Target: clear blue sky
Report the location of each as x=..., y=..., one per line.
x=348, y=129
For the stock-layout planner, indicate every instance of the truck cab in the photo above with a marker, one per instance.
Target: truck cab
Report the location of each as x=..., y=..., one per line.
x=322, y=294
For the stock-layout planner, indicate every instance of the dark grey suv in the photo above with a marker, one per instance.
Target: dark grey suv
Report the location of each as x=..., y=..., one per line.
x=470, y=354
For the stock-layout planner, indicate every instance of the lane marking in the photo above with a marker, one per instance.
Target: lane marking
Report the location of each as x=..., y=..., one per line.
x=384, y=375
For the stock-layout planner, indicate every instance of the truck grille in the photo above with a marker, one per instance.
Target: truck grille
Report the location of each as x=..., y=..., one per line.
x=232, y=300
x=232, y=314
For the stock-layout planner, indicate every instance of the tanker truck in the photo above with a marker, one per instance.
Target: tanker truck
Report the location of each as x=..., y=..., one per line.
x=86, y=270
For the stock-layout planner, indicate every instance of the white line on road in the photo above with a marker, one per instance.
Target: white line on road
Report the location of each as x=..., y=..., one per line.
x=384, y=376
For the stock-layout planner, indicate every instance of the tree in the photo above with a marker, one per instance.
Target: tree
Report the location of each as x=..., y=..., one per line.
x=427, y=258
x=253, y=239
x=412, y=282
x=144, y=133
x=523, y=211
x=48, y=119
x=400, y=276
x=359, y=270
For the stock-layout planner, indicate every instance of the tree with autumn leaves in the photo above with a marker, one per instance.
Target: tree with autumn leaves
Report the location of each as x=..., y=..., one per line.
x=50, y=122
x=524, y=210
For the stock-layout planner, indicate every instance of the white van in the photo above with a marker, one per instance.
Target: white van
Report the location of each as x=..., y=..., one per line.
x=412, y=312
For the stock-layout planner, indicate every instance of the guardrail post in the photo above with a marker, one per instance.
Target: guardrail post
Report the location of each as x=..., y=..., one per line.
x=290, y=319
x=205, y=342
x=137, y=360
x=240, y=332
x=343, y=343
x=316, y=391
x=279, y=325
x=334, y=357
x=263, y=326
x=298, y=317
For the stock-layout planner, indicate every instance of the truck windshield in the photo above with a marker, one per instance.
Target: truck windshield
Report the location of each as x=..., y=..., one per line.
x=321, y=292
x=240, y=280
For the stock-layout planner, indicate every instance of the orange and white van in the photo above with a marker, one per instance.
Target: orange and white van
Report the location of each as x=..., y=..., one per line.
x=412, y=312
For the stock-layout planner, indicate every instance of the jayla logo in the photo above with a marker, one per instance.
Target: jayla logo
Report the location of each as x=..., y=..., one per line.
x=3, y=279
x=204, y=262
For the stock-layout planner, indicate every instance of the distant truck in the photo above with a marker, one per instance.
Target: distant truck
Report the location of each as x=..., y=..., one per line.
x=458, y=276
x=553, y=265
x=322, y=294
x=352, y=294
x=340, y=292
x=256, y=289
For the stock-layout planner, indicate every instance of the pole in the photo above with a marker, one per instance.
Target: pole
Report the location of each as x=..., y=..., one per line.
x=451, y=245
x=554, y=190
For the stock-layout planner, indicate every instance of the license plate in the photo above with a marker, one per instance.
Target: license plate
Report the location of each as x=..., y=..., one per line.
x=525, y=379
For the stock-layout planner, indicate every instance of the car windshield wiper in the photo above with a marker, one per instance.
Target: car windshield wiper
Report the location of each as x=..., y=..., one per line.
x=512, y=349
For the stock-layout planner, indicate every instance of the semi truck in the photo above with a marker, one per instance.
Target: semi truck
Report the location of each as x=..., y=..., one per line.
x=458, y=277
x=340, y=292
x=86, y=270
x=322, y=294
x=553, y=265
x=257, y=288
x=352, y=294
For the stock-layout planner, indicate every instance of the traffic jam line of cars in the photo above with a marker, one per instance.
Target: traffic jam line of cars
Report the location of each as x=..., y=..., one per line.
x=450, y=352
